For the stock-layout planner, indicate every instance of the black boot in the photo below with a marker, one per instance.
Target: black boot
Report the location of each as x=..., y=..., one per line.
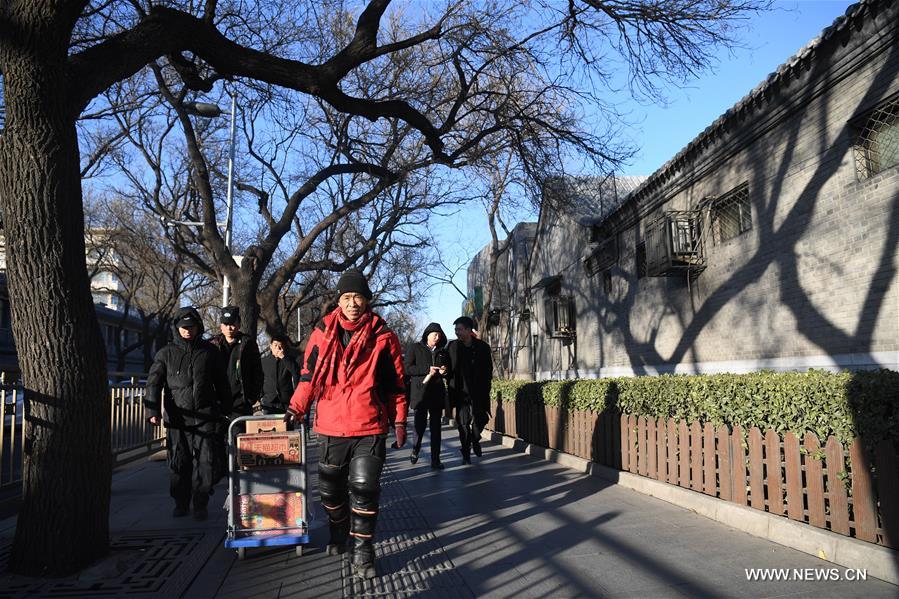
x=416, y=449
x=333, y=494
x=364, y=559
x=339, y=534
x=200, y=501
x=364, y=486
x=476, y=446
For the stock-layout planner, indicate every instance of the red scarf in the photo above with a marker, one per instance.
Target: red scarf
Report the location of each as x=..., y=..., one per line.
x=332, y=353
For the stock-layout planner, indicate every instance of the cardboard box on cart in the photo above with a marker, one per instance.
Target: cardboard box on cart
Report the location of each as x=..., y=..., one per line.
x=269, y=449
x=269, y=425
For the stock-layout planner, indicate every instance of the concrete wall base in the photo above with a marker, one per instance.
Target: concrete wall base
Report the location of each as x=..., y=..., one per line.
x=880, y=562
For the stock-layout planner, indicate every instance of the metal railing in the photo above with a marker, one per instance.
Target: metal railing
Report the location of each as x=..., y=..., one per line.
x=12, y=434
x=132, y=437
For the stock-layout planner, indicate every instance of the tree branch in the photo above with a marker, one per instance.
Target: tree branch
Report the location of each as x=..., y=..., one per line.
x=167, y=31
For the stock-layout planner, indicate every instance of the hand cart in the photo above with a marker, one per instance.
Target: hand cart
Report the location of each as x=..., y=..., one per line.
x=268, y=505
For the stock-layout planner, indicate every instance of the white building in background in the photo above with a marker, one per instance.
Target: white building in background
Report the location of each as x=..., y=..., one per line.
x=507, y=331
x=102, y=261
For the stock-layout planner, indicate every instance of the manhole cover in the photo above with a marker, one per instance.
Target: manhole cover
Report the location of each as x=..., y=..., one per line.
x=140, y=563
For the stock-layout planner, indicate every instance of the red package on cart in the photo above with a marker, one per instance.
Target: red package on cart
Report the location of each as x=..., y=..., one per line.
x=280, y=511
x=269, y=449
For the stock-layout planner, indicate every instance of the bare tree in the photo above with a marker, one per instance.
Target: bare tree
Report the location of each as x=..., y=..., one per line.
x=368, y=192
x=57, y=58
x=150, y=277
x=502, y=177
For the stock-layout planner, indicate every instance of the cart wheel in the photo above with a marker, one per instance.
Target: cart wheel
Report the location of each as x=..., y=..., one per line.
x=241, y=553
x=299, y=550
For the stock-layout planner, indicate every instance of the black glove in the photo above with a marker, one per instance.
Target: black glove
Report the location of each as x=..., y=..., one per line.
x=291, y=417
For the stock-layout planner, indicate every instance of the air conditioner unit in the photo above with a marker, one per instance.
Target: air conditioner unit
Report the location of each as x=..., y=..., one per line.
x=674, y=244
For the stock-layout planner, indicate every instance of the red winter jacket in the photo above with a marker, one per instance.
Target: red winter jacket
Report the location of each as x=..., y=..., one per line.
x=356, y=399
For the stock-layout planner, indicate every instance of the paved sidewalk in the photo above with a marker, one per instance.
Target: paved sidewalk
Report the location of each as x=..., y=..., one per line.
x=507, y=526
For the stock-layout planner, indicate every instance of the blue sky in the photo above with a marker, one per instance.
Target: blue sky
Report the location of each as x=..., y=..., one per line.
x=662, y=131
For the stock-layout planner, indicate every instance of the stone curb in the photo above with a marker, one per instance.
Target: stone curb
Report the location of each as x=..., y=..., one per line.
x=880, y=562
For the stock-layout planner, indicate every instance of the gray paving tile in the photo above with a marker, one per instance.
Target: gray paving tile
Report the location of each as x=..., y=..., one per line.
x=509, y=525
x=554, y=532
x=160, y=562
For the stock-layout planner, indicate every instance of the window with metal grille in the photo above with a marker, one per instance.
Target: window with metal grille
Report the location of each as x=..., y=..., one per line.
x=560, y=315
x=731, y=214
x=877, y=140
x=602, y=257
x=641, y=260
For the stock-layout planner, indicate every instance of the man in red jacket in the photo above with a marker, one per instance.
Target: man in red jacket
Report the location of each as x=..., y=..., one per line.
x=353, y=367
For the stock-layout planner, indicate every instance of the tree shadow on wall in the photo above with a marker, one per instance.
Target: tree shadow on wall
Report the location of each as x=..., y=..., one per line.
x=605, y=441
x=779, y=248
x=798, y=182
x=874, y=403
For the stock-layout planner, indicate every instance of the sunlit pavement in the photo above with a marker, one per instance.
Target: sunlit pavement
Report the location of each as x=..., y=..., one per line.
x=508, y=525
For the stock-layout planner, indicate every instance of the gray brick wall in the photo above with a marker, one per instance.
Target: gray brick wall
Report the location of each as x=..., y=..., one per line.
x=813, y=283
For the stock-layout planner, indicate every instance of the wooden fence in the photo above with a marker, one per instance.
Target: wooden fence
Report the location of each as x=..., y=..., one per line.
x=850, y=490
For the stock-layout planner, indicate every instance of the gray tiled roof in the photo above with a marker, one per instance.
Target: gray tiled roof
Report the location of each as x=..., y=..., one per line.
x=591, y=199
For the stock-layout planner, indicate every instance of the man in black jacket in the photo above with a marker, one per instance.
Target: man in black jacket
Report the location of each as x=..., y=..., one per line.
x=281, y=373
x=427, y=364
x=196, y=394
x=244, y=367
x=469, y=385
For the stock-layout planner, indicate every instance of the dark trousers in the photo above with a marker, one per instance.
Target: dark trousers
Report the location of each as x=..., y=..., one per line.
x=349, y=483
x=470, y=425
x=220, y=452
x=190, y=457
x=425, y=413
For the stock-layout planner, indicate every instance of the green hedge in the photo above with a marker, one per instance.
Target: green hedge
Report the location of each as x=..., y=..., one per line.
x=843, y=404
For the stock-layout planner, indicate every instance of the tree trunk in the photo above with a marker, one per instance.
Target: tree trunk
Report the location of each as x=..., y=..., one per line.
x=268, y=312
x=63, y=523
x=243, y=295
x=119, y=349
x=149, y=339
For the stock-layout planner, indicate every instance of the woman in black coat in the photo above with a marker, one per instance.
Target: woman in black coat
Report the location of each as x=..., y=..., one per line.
x=427, y=365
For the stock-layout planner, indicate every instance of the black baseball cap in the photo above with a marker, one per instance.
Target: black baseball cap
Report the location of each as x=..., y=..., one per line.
x=230, y=315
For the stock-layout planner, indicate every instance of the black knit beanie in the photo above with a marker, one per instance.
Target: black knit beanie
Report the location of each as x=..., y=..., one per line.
x=353, y=281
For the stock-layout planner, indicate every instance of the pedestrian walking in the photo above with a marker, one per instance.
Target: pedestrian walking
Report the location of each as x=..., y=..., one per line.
x=244, y=369
x=197, y=393
x=469, y=385
x=427, y=366
x=353, y=368
x=244, y=366
x=281, y=374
